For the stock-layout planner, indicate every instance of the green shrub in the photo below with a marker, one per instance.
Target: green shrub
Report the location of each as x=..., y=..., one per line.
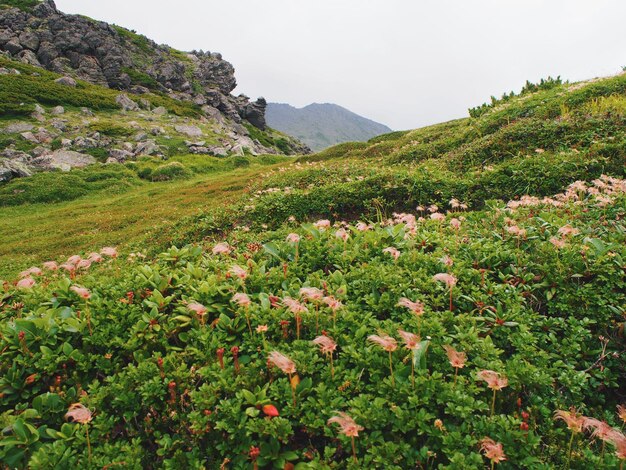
x=170, y=171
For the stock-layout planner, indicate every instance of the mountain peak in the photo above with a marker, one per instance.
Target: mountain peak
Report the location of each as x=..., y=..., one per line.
x=320, y=125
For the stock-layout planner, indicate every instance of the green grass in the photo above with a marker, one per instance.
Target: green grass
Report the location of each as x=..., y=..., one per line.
x=105, y=209
x=25, y=5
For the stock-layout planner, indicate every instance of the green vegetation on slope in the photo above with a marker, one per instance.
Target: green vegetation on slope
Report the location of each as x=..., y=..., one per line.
x=176, y=356
x=19, y=93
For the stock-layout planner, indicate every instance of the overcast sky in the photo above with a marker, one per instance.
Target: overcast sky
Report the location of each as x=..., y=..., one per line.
x=405, y=63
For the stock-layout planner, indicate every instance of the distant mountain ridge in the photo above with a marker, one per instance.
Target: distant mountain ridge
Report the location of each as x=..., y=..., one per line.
x=322, y=125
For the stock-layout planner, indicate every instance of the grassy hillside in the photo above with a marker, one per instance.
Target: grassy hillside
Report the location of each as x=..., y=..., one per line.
x=498, y=241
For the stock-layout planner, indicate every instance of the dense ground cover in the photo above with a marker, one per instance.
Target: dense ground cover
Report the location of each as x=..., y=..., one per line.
x=172, y=357
x=169, y=353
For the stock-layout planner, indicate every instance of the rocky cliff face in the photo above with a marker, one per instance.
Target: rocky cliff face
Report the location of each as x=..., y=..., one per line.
x=117, y=58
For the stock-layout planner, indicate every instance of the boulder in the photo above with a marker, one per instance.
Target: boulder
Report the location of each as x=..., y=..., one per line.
x=13, y=47
x=57, y=110
x=126, y=103
x=18, y=128
x=149, y=147
x=160, y=111
x=254, y=113
x=119, y=155
x=29, y=40
x=10, y=169
x=39, y=109
x=66, y=81
x=63, y=160
x=190, y=131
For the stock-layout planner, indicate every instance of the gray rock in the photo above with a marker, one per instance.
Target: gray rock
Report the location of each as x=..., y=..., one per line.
x=141, y=136
x=255, y=113
x=191, y=131
x=86, y=112
x=10, y=169
x=28, y=57
x=119, y=155
x=126, y=103
x=38, y=117
x=63, y=160
x=66, y=81
x=39, y=109
x=160, y=111
x=85, y=143
x=149, y=147
x=18, y=128
x=29, y=40
x=57, y=110
x=13, y=47
x=157, y=131
x=29, y=136
x=59, y=124
x=218, y=151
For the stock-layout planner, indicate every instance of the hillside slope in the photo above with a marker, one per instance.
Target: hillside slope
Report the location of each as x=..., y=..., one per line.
x=445, y=297
x=322, y=125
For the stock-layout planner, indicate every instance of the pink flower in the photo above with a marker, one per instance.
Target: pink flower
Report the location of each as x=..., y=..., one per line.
x=557, y=242
x=25, y=283
x=416, y=308
x=393, y=252
x=322, y=224
x=342, y=234
x=261, y=328
x=79, y=413
x=238, y=271
x=386, y=342
x=109, y=251
x=573, y=420
x=449, y=279
x=494, y=380
x=457, y=359
x=294, y=306
x=621, y=412
x=600, y=429
x=68, y=267
x=347, y=425
x=454, y=203
x=75, y=259
x=492, y=450
x=51, y=265
x=293, y=238
x=221, y=249
x=332, y=303
x=455, y=223
x=197, y=308
x=83, y=264
x=362, y=227
x=447, y=260
x=411, y=341
x=438, y=216
x=81, y=292
x=311, y=293
x=619, y=441
x=567, y=230
x=95, y=257
x=326, y=344
x=282, y=362
x=433, y=208
x=34, y=271
x=241, y=299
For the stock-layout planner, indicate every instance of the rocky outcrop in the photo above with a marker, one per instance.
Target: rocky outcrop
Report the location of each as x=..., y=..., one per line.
x=95, y=51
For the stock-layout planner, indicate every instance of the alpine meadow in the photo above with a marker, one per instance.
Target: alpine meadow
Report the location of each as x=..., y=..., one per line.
x=184, y=287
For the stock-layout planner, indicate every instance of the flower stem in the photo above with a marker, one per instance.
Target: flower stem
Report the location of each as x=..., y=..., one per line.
x=293, y=391
x=456, y=373
x=88, y=315
x=88, y=442
x=332, y=368
x=393, y=380
x=451, y=306
x=569, y=450
x=493, y=402
x=354, y=450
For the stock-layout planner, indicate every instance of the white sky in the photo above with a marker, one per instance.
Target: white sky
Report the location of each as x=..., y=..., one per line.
x=405, y=63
